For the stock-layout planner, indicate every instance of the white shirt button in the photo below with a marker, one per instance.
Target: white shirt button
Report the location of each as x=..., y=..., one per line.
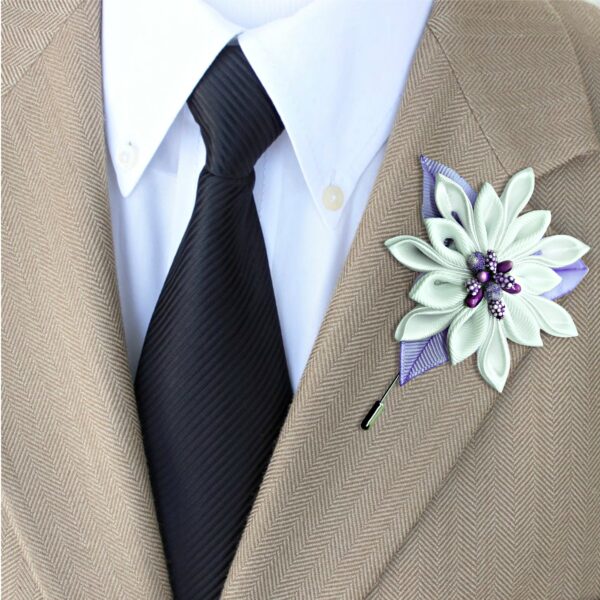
x=333, y=197
x=127, y=157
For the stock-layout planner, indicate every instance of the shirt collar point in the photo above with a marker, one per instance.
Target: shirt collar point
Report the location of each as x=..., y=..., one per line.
x=127, y=175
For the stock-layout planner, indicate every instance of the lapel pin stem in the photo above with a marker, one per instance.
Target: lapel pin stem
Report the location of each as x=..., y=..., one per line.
x=377, y=408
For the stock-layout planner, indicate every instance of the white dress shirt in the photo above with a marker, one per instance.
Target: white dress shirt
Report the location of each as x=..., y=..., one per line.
x=335, y=70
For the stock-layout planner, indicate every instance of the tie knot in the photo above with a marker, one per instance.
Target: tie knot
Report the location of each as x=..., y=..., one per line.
x=237, y=119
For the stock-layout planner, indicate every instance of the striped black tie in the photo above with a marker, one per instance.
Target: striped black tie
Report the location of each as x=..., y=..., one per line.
x=212, y=384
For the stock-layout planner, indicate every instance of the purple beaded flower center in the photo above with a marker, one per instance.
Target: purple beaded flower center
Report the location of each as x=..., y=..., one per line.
x=491, y=279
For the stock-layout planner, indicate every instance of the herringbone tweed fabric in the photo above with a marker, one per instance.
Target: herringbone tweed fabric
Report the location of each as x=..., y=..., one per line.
x=458, y=492
x=78, y=515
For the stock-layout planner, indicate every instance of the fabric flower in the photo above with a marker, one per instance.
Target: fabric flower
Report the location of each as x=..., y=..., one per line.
x=484, y=274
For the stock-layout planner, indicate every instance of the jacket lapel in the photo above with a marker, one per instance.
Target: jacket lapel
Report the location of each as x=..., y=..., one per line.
x=76, y=489
x=336, y=501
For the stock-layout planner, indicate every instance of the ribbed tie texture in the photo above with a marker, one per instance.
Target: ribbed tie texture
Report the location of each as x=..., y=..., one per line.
x=212, y=384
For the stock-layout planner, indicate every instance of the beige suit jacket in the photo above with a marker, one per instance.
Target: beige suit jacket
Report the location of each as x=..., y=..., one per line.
x=457, y=492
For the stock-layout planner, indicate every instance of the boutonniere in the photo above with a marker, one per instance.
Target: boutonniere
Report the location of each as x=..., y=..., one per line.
x=487, y=276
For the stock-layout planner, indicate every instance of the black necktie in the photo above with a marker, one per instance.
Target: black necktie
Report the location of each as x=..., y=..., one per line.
x=212, y=384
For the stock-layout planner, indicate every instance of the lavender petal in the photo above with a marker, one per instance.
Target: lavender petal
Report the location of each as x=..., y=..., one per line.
x=430, y=169
x=418, y=357
x=571, y=277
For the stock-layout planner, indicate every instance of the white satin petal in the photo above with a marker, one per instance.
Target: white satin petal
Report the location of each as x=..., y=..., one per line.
x=417, y=255
x=468, y=331
x=493, y=358
x=551, y=317
x=535, y=279
x=489, y=217
x=520, y=323
x=558, y=251
x=440, y=230
x=524, y=234
x=440, y=290
x=452, y=202
x=423, y=322
x=516, y=194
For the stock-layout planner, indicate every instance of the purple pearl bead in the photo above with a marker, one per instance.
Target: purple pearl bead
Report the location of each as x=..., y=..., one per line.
x=483, y=276
x=505, y=266
x=473, y=301
x=515, y=289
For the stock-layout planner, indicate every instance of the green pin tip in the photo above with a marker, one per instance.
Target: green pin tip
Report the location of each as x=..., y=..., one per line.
x=373, y=414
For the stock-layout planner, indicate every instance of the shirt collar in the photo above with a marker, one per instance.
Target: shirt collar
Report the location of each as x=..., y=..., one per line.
x=335, y=71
